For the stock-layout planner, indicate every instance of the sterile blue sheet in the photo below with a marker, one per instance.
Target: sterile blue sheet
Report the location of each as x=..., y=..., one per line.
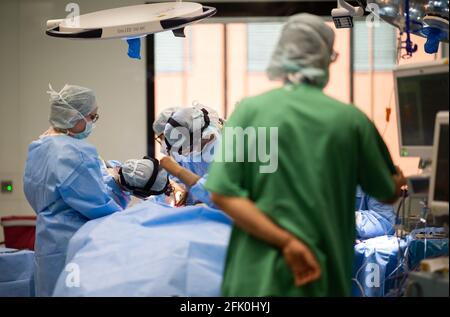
x=382, y=253
x=419, y=249
x=16, y=273
x=375, y=265
x=148, y=250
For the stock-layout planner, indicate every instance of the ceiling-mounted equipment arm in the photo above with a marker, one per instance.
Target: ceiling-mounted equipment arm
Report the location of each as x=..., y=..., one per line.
x=344, y=13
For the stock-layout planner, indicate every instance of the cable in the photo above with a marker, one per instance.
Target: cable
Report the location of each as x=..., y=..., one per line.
x=360, y=268
x=425, y=243
x=401, y=285
x=403, y=227
x=357, y=273
x=404, y=196
x=401, y=204
x=361, y=288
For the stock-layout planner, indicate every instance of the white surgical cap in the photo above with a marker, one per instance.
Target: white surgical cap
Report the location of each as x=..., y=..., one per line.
x=304, y=51
x=161, y=121
x=137, y=173
x=70, y=105
x=186, y=117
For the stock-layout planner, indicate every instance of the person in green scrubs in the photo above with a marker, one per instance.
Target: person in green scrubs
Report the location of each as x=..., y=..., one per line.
x=294, y=228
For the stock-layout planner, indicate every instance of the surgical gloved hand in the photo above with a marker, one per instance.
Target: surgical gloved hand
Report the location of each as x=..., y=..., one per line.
x=180, y=194
x=302, y=262
x=114, y=172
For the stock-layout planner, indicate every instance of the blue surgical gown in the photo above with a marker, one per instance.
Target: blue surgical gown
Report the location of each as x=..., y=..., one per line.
x=65, y=185
x=374, y=219
x=195, y=164
x=199, y=194
x=199, y=166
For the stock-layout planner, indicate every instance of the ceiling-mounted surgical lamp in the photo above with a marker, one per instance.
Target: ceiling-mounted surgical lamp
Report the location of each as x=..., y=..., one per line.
x=131, y=23
x=344, y=13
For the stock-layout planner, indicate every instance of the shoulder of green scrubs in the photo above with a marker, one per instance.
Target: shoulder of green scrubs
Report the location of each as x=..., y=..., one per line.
x=325, y=148
x=199, y=193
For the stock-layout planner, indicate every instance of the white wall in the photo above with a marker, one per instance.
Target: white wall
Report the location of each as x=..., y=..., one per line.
x=9, y=110
x=30, y=60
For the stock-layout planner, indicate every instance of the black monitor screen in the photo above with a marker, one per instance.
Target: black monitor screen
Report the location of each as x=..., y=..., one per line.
x=441, y=185
x=420, y=99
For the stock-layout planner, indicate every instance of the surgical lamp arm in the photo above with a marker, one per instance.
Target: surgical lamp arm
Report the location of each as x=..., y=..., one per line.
x=344, y=13
x=345, y=5
x=353, y=11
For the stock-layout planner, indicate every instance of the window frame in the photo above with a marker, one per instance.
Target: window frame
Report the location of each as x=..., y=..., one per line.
x=234, y=12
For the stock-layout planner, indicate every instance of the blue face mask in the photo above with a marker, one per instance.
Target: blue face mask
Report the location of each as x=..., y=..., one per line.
x=87, y=131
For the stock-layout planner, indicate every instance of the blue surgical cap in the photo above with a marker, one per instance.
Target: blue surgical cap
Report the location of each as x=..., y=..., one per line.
x=70, y=105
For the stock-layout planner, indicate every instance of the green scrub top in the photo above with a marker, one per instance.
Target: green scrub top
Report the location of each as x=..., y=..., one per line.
x=325, y=149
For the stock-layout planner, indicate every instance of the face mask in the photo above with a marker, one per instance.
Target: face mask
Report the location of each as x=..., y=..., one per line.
x=87, y=131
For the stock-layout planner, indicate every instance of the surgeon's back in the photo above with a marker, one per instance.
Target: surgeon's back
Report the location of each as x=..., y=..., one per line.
x=325, y=148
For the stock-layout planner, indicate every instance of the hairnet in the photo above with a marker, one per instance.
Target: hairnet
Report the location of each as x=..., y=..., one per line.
x=303, y=51
x=70, y=105
x=137, y=173
x=161, y=121
x=189, y=119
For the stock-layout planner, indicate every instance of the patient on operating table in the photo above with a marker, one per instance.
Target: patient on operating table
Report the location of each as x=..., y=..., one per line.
x=141, y=178
x=373, y=219
x=149, y=177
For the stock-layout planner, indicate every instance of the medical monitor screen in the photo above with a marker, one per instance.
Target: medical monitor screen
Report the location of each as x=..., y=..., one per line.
x=420, y=98
x=441, y=182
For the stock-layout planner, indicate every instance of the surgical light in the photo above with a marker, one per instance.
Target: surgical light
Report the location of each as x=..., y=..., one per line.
x=131, y=23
